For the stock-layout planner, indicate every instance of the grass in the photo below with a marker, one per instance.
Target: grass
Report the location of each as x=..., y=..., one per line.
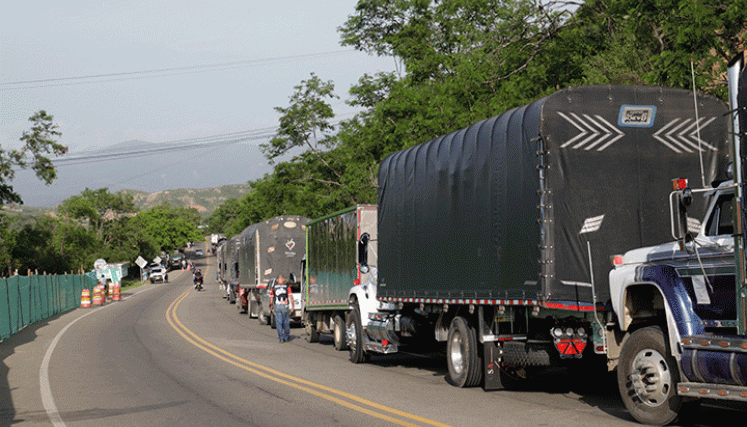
x=128, y=284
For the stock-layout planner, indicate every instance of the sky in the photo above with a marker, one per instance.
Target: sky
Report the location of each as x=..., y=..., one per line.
x=164, y=70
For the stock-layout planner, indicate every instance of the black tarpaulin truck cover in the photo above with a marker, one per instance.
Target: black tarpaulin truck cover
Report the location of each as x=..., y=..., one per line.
x=504, y=208
x=271, y=247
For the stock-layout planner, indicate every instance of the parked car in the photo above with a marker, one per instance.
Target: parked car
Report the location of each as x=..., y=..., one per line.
x=158, y=273
x=175, y=262
x=199, y=252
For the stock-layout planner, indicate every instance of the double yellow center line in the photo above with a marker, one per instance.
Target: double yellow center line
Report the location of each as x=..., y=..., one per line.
x=339, y=397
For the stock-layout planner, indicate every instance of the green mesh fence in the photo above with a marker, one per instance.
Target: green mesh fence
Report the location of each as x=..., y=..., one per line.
x=28, y=299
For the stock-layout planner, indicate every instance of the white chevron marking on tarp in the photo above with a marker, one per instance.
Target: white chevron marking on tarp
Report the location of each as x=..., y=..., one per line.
x=682, y=135
x=595, y=131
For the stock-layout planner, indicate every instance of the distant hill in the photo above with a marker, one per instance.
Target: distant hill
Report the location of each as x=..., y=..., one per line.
x=149, y=168
x=205, y=200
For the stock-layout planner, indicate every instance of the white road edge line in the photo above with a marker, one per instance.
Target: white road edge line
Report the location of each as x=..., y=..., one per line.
x=44, y=388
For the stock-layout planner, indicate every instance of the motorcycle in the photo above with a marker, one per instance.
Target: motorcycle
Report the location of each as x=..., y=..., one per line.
x=198, y=283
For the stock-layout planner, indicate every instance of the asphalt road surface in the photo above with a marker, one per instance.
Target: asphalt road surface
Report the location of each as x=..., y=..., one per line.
x=167, y=355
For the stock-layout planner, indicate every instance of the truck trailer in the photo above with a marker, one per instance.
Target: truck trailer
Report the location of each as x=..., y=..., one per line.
x=496, y=239
x=339, y=276
x=261, y=252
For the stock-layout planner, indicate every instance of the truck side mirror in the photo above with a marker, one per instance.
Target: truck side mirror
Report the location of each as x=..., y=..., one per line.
x=363, y=252
x=679, y=200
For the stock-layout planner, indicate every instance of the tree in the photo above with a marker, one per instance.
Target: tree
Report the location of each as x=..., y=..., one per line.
x=306, y=122
x=39, y=141
x=126, y=240
x=222, y=219
x=7, y=242
x=97, y=207
x=467, y=60
x=656, y=41
x=168, y=229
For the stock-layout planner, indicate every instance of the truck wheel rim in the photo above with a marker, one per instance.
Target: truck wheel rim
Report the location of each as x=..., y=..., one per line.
x=351, y=336
x=650, y=377
x=456, y=353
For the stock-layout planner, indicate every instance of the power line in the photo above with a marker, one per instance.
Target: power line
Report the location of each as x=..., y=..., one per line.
x=161, y=72
x=169, y=147
x=218, y=140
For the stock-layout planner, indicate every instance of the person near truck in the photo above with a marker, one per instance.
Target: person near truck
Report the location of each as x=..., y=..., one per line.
x=281, y=304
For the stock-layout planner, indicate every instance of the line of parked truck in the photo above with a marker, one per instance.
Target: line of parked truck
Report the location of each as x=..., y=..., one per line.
x=532, y=240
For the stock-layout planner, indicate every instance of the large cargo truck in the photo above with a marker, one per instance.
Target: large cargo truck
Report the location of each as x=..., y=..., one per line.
x=679, y=330
x=335, y=283
x=230, y=269
x=495, y=240
x=264, y=250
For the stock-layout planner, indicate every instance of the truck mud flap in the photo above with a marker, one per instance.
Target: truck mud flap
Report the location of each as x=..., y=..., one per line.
x=491, y=359
x=521, y=354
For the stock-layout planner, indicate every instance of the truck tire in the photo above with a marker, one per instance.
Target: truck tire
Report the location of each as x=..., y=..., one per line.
x=354, y=335
x=273, y=322
x=341, y=340
x=465, y=363
x=312, y=335
x=647, y=376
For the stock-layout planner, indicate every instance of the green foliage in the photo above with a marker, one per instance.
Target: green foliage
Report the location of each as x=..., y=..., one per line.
x=7, y=241
x=306, y=122
x=39, y=142
x=168, y=227
x=52, y=246
x=464, y=61
x=127, y=239
x=96, y=208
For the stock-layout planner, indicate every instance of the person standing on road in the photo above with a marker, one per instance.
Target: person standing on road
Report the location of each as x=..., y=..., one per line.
x=281, y=303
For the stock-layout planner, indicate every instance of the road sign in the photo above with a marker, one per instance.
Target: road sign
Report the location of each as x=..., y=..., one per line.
x=99, y=264
x=141, y=262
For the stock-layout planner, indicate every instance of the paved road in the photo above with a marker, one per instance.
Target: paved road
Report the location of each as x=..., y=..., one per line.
x=168, y=355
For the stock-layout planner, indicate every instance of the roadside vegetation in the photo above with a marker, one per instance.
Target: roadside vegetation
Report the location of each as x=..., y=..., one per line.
x=95, y=224
x=460, y=61
x=466, y=60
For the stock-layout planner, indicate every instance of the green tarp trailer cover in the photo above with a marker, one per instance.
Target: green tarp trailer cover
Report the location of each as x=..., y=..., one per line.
x=504, y=208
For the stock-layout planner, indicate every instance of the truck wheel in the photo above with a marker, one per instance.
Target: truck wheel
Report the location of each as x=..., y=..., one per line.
x=465, y=364
x=647, y=377
x=354, y=335
x=273, y=321
x=312, y=335
x=341, y=341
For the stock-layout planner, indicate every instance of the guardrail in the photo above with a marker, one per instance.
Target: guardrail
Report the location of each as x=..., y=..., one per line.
x=25, y=300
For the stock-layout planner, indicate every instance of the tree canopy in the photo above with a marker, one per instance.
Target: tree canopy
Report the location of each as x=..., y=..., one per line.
x=39, y=142
x=467, y=60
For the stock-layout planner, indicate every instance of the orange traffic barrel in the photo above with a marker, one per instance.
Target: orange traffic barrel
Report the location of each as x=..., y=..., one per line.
x=117, y=292
x=85, y=298
x=97, y=300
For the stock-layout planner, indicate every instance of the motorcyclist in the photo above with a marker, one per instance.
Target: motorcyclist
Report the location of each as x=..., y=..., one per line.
x=197, y=279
